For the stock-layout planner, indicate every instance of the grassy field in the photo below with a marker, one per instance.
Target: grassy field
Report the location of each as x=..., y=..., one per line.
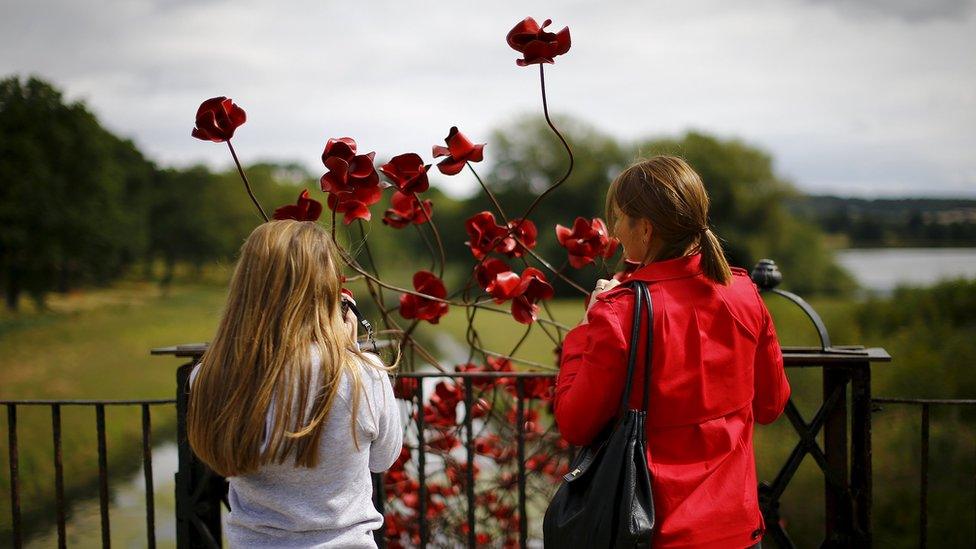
x=96, y=345
x=93, y=345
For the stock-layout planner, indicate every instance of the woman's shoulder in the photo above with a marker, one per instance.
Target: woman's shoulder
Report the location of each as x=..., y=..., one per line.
x=371, y=365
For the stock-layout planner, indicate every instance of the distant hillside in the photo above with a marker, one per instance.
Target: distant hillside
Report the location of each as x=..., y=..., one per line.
x=892, y=222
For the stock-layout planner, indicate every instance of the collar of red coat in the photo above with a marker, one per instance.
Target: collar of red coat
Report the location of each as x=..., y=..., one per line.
x=679, y=267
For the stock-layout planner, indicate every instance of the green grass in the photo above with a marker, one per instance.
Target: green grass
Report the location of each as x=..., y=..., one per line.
x=93, y=345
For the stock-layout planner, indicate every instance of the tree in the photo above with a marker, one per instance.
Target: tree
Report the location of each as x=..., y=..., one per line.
x=747, y=197
x=73, y=198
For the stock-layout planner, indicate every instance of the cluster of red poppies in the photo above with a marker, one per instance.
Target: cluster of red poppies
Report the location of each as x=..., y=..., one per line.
x=495, y=449
x=353, y=185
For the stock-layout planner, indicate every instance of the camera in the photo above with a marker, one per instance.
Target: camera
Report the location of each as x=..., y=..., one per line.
x=347, y=305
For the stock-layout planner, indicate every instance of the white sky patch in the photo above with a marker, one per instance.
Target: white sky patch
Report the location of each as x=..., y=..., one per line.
x=869, y=98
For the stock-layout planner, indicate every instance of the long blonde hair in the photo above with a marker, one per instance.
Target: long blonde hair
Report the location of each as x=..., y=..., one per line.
x=670, y=194
x=283, y=302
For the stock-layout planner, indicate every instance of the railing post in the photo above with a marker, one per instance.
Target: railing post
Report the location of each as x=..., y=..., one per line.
x=861, y=472
x=199, y=491
x=837, y=506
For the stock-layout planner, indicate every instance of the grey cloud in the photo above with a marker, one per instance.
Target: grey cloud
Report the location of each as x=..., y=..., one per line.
x=911, y=11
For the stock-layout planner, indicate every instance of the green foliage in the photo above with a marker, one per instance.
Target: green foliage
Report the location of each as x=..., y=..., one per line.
x=72, y=194
x=924, y=222
x=747, y=208
x=747, y=197
x=931, y=328
x=197, y=216
x=80, y=206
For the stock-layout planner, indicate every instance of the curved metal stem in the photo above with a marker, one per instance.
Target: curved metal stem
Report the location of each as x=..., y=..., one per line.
x=491, y=195
x=247, y=184
x=437, y=238
x=569, y=151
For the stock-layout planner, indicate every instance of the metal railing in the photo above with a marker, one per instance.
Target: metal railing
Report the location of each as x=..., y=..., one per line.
x=55, y=406
x=925, y=404
x=843, y=419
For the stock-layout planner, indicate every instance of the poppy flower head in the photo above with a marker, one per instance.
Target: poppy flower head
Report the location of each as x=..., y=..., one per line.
x=586, y=240
x=459, y=151
x=497, y=278
x=536, y=44
x=354, y=204
x=484, y=233
x=351, y=179
x=533, y=288
x=423, y=308
x=217, y=118
x=407, y=172
x=518, y=230
x=305, y=209
x=407, y=209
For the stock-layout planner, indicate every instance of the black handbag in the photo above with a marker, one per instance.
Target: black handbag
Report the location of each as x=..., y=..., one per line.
x=605, y=499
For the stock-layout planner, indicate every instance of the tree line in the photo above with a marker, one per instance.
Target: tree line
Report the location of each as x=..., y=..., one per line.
x=928, y=222
x=81, y=206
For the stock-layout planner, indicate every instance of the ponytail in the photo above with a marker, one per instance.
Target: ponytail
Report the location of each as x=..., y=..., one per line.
x=714, y=264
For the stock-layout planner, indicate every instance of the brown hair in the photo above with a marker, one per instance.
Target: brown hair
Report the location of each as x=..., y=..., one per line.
x=283, y=302
x=666, y=191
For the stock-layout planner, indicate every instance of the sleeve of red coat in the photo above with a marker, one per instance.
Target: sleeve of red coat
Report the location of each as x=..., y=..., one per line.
x=772, y=389
x=591, y=375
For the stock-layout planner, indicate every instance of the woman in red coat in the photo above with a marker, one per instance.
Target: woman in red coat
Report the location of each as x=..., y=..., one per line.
x=717, y=366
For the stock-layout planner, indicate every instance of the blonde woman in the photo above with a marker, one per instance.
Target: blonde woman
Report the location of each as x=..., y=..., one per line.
x=286, y=407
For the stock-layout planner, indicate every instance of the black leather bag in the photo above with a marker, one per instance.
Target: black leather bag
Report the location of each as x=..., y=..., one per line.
x=605, y=499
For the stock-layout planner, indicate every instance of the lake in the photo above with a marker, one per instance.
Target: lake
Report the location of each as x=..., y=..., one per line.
x=882, y=269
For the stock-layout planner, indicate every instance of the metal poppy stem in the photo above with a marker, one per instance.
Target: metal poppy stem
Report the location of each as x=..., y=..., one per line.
x=430, y=246
x=569, y=151
x=512, y=231
x=247, y=184
x=437, y=238
x=491, y=195
x=521, y=340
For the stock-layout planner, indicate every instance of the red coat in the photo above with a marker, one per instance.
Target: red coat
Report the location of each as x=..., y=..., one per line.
x=717, y=368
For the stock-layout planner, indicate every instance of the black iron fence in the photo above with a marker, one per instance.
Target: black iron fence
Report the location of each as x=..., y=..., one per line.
x=843, y=422
x=925, y=406
x=59, y=511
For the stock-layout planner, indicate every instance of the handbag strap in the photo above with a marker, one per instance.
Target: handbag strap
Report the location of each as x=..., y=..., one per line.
x=648, y=350
x=635, y=331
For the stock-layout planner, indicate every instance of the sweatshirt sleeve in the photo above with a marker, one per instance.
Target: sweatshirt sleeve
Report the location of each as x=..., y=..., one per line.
x=591, y=374
x=385, y=448
x=771, y=388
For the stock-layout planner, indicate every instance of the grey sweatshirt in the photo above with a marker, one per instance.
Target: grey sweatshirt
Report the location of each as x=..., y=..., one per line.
x=330, y=505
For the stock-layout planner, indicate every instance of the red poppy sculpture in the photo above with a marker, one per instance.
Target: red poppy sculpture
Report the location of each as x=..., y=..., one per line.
x=351, y=180
x=486, y=235
x=536, y=44
x=459, y=151
x=423, y=308
x=586, y=240
x=217, y=119
x=497, y=278
x=305, y=209
x=406, y=209
x=407, y=172
x=518, y=231
x=533, y=288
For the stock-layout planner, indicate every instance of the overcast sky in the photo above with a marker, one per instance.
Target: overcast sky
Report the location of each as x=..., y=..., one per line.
x=867, y=98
